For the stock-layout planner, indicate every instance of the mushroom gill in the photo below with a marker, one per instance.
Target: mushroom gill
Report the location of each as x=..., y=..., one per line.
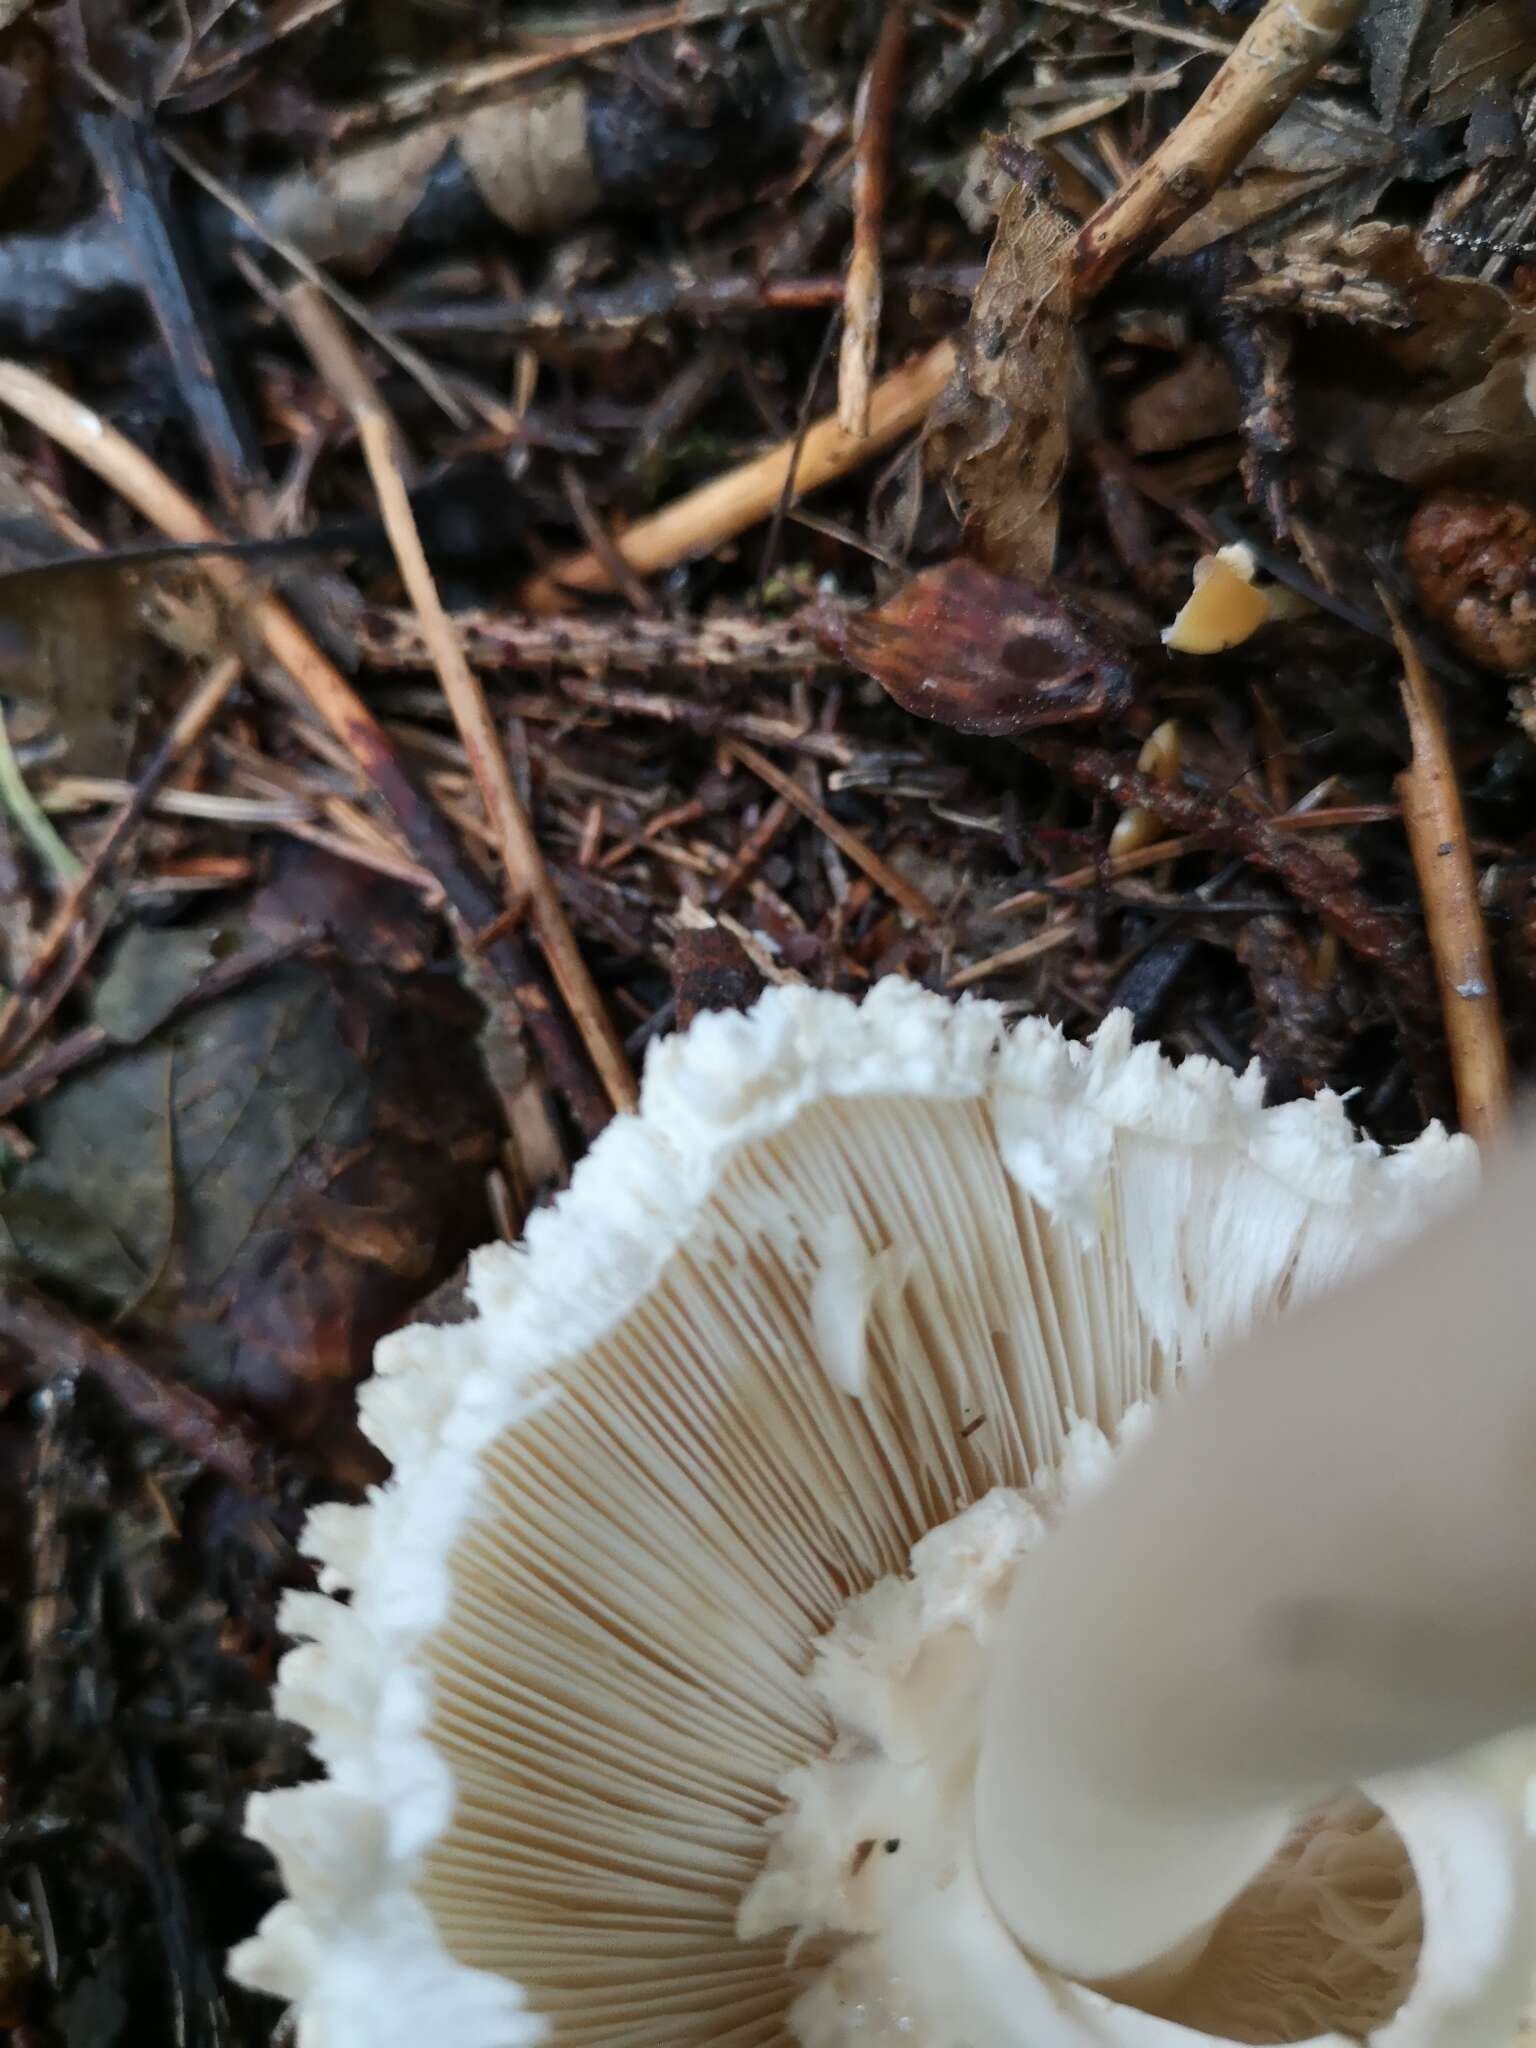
x=854, y=1272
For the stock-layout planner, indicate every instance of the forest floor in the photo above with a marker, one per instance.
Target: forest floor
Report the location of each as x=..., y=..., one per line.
x=709, y=486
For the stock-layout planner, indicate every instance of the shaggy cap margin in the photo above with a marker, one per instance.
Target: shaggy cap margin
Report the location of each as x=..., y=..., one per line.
x=352, y=1946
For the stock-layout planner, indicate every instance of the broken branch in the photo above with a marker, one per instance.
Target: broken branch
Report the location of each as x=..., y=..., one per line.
x=1287, y=44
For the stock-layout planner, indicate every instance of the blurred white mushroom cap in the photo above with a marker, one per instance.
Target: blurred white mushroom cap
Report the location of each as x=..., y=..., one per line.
x=853, y=1269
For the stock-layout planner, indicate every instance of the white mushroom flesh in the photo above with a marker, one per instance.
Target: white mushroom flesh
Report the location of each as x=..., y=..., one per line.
x=853, y=1271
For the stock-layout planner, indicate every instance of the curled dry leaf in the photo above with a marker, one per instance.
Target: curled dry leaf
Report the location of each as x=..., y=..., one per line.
x=983, y=653
x=1000, y=428
x=1376, y=274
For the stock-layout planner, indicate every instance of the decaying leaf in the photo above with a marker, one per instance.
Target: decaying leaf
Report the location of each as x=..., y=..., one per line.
x=267, y=1183
x=1375, y=274
x=983, y=653
x=1318, y=133
x=1244, y=204
x=1000, y=428
x=1485, y=434
x=152, y=972
x=79, y=651
x=1194, y=402
x=1401, y=36
x=1323, y=157
x=1489, y=47
x=1450, y=394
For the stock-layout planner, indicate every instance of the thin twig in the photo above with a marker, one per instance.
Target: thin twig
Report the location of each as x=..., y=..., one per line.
x=522, y=859
x=188, y=726
x=1374, y=934
x=752, y=849
x=1147, y=24
x=131, y=473
x=56, y=1344
x=132, y=170
x=1285, y=46
x=790, y=487
x=599, y=313
x=862, y=289
x=281, y=19
x=885, y=877
x=437, y=92
x=1436, y=825
x=729, y=504
x=1015, y=956
x=92, y=1042
x=1115, y=866
x=602, y=543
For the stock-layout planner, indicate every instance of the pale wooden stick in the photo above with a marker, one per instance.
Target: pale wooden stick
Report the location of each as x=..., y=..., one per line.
x=1436, y=825
x=864, y=285
x=897, y=887
x=517, y=843
x=1047, y=941
x=737, y=500
x=1286, y=45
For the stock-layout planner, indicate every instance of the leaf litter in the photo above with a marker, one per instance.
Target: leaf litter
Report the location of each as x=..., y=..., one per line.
x=948, y=654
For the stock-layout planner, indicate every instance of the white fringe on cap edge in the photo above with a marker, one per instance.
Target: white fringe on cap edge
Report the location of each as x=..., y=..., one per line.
x=351, y=1946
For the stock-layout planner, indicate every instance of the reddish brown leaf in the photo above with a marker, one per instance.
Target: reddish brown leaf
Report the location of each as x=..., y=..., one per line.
x=982, y=653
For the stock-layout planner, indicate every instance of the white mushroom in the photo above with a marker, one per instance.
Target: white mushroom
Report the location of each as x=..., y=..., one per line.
x=654, y=1716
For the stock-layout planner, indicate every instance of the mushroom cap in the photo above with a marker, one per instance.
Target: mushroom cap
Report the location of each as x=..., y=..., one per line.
x=851, y=1268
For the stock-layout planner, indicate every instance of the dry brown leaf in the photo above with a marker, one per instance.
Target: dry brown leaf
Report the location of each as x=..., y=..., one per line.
x=267, y=1183
x=1489, y=47
x=1194, y=402
x=1000, y=428
x=985, y=654
x=1485, y=435
x=80, y=652
x=1448, y=324
x=1246, y=203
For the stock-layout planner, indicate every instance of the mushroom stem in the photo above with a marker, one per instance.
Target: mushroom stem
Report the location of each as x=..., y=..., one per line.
x=1315, y=1570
